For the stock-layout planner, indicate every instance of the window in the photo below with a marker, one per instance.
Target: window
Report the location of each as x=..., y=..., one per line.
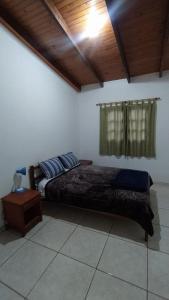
x=128, y=129
x=115, y=126
x=137, y=128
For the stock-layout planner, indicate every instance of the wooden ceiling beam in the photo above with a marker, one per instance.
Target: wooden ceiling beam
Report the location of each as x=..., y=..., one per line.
x=120, y=45
x=164, y=40
x=65, y=29
x=11, y=24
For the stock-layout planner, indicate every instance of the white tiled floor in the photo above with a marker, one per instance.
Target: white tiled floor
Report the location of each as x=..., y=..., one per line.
x=108, y=287
x=154, y=297
x=126, y=261
x=82, y=255
x=54, y=234
x=24, y=268
x=8, y=294
x=158, y=273
x=85, y=246
x=65, y=279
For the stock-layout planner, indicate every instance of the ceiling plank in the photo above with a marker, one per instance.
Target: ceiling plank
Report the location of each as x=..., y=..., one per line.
x=109, y=4
x=63, y=26
x=11, y=23
x=164, y=40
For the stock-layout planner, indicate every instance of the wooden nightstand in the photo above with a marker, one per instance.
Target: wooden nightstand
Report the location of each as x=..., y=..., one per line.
x=85, y=162
x=22, y=210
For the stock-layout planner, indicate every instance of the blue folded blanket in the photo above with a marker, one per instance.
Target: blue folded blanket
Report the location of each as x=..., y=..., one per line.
x=127, y=179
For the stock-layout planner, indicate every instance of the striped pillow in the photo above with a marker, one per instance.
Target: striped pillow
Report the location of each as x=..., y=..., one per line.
x=52, y=167
x=69, y=160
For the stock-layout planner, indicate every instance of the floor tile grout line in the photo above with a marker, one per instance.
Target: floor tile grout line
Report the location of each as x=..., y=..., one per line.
x=77, y=225
x=130, y=283
x=86, y=230
x=93, y=230
x=148, y=291
x=48, y=221
x=159, y=251
x=12, y=289
x=75, y=259
x=13, y=254
x=108, y=235
x=59, y=251
x=43, y=246
x=53, y=260
x=123, y=280
x=115, y=237
x=51, y=249
x=85, y=297
x=105, y=245
x=128, y=241
x=67, y=239
x=104, y=233
x=27, y=295
x=84, y=263
x=94, y=272
x=37, y=230
x=26, y=240
x=159, y=296
x=110, y=274
x=29, y=240
x=98, y=262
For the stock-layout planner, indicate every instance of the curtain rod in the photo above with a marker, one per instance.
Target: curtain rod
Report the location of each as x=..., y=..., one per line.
x=148, y=99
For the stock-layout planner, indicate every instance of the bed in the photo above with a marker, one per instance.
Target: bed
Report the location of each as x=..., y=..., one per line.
x=91, y=187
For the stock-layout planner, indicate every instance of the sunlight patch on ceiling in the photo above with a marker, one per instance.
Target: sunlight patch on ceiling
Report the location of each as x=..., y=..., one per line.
x=95, y=22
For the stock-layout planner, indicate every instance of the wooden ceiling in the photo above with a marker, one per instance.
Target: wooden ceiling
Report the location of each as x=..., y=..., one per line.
x=133, y=41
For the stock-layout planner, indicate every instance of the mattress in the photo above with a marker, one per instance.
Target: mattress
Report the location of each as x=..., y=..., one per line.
x=91, y=187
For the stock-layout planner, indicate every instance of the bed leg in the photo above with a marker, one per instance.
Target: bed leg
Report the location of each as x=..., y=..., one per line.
x=146, y=236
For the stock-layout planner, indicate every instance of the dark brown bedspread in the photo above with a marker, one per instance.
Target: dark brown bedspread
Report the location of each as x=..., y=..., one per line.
x=90, y=187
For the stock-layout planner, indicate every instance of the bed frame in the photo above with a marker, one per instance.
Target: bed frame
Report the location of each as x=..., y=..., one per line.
x=35, y=175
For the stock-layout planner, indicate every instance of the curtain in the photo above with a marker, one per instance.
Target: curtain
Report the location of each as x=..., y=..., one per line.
x=141, y=129
x=128, y=128
x=112, y=129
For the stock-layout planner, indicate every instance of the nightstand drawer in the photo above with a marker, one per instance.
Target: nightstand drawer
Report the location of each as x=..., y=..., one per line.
x=31, y=203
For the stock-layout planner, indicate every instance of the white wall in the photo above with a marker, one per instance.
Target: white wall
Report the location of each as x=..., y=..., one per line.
x=37, y=111
x=88, y=118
